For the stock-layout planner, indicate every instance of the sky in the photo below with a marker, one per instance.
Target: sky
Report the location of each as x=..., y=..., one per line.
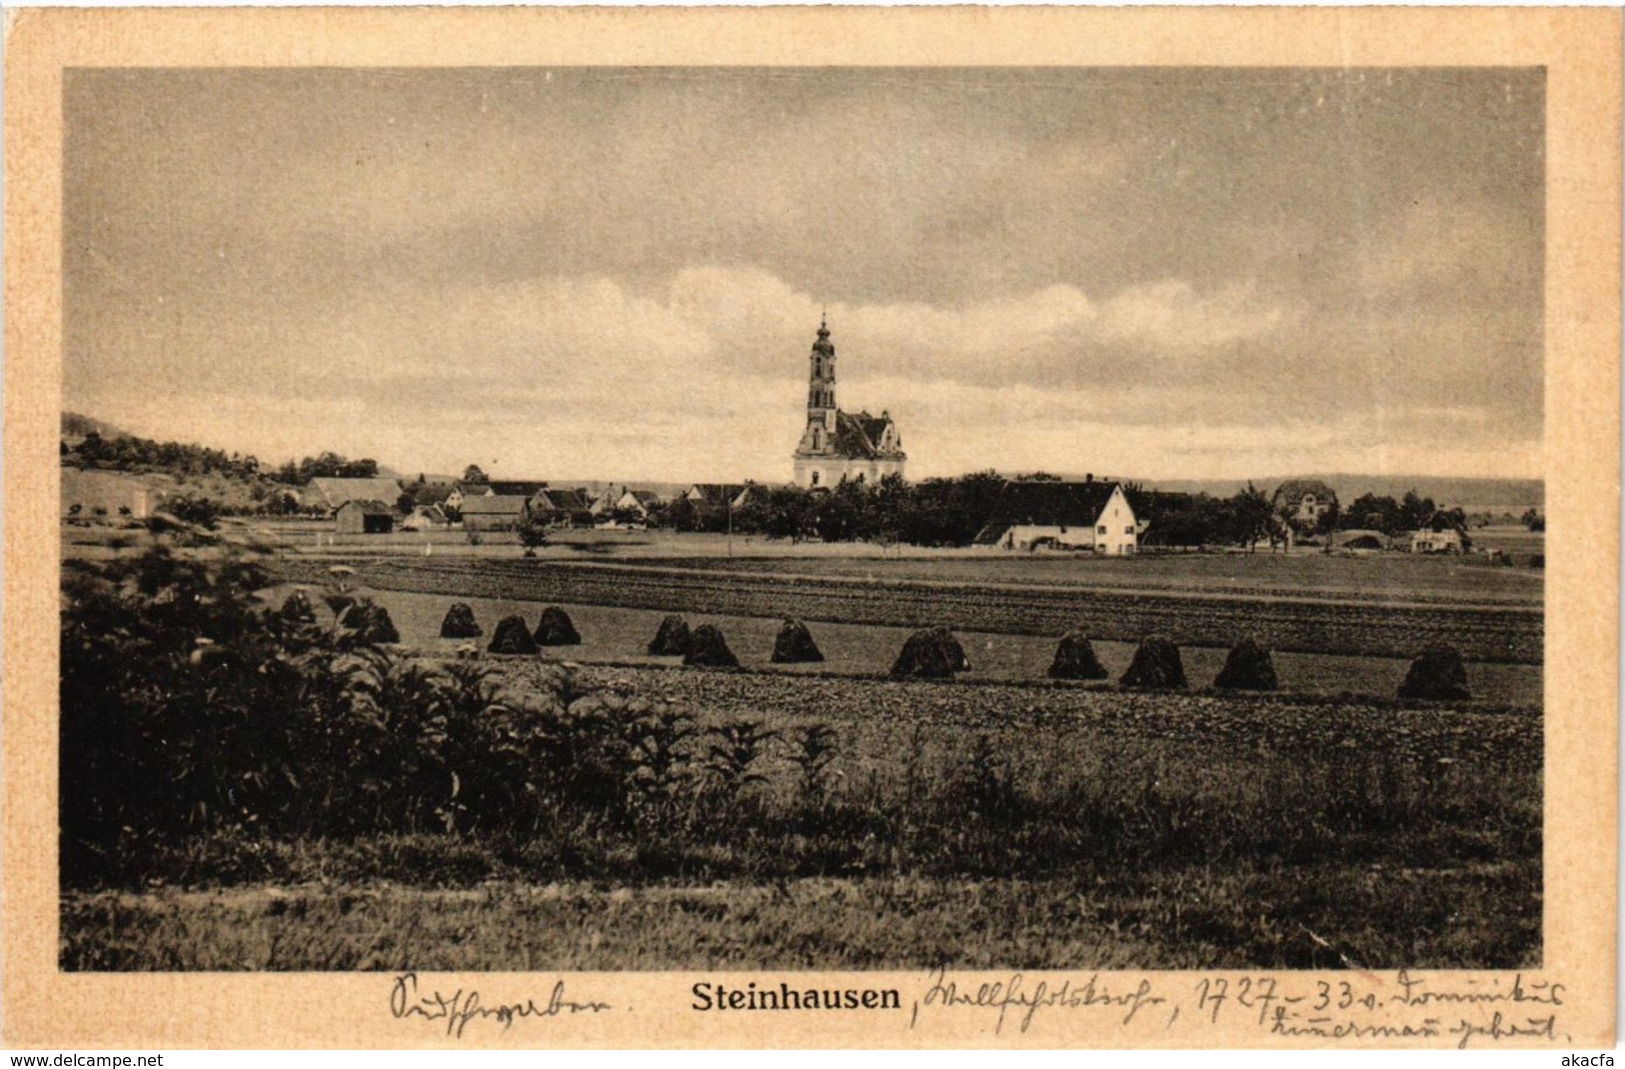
x=618, y=273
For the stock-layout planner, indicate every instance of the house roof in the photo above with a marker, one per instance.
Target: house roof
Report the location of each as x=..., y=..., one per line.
x=520, y=487
x=564, y=500
x=495, y=505
x=645, y=497
x=1049, y=504
x=334, y=492
x=716, y=493
x=857, y=436
x=431, y=512
x=369, y=507
x=1292, y=491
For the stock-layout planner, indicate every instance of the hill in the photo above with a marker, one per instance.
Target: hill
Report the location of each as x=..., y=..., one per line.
x=1449, y=491
x=76, y=426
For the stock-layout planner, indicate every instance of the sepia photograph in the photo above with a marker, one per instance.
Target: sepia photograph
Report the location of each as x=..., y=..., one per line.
x=628, y=518
x=825, y=528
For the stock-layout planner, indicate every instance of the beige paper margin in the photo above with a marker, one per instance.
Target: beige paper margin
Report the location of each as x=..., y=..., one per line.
x=1580, y=49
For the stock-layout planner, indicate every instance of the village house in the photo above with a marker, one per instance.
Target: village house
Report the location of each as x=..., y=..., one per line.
x=1092, y=515
x=721, y=495
x=426, y=518
x=838, y=446
x=329, y=493
x=495, y=512
x=359, y=516
x=1439, y=535
x=1304, y=502
x=562, y=508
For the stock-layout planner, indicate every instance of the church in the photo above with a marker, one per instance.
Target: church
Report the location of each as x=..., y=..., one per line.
x=839, y=446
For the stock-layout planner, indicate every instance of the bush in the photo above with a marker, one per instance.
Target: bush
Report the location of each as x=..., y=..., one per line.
x=1156, y=666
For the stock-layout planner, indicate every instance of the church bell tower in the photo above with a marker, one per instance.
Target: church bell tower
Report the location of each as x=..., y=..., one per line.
x=820, y=436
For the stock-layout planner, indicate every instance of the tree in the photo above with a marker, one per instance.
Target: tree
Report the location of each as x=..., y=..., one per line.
x=1250, y=515
x=532, y=533
x=405, y=503
x=1533, y=520
x=473, y=474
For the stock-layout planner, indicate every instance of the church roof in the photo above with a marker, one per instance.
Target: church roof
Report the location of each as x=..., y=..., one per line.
x=857, y=437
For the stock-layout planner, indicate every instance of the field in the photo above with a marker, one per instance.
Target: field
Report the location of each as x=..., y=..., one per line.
x=1293, y=623
x=827, y=816
x=1111, y=828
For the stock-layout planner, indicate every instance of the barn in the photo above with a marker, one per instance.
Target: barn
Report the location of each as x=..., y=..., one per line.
x=359, y=516
x=495, y=512
x=1063, y=515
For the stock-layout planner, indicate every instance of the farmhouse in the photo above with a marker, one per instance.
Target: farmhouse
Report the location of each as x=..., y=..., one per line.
x=330, y=493
x=425, y=518
x=837, y=446
x=721, y=495
x=1439, y=535
x=1304, y=502
x=1064, y=515
x=562, y=507
x=494, y=512
x=358, y=516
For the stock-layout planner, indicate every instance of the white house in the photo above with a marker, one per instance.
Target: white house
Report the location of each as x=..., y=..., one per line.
x=1064, y=515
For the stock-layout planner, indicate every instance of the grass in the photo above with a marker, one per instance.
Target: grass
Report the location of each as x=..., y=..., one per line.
x=1502, y=634
x=1018, y=825
x=620, y=636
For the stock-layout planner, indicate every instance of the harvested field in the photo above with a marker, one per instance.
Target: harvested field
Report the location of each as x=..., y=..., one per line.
x=621, y=636
x=1483, y=633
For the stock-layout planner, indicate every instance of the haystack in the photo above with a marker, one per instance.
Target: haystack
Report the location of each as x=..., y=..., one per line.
x=556, y=628
x=1248, y=667
x=672, y=638
x=795, y=645
x=1437, y=674
x=707, y=647
x=371, y=623
x=1075, y=659
x=460, y=622
x=932, y=653
x=297, y=609
x=512, y=636
x=1156, y=666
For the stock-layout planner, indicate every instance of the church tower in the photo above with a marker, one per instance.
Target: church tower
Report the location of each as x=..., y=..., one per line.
x=840, y=446
x=820, y=437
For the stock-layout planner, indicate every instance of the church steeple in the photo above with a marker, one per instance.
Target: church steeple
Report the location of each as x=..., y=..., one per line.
x=821, y=381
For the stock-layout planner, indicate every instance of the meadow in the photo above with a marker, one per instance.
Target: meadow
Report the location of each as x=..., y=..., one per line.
x=622, y=812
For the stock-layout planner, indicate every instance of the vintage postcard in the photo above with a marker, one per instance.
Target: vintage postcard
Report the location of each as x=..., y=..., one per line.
x=829, y=527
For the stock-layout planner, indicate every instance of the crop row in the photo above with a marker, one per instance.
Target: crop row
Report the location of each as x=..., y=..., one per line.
x=1512, y=636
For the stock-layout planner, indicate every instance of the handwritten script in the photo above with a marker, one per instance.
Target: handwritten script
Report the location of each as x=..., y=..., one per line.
x=1459, y=1010
x=463, y=1006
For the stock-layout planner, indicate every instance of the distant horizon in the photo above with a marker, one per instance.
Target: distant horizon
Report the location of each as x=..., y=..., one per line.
x=1202, y=271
